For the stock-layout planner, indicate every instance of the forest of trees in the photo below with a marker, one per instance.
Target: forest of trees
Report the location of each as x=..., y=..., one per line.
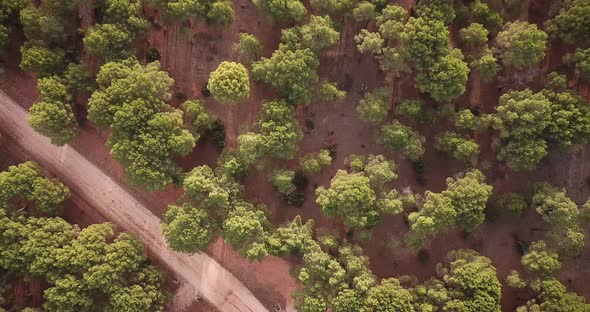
x=439, y=46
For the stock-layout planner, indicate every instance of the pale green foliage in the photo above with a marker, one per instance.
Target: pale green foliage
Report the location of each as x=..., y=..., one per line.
x=446, y=80
x=415, y=111
x=540, y=261
x=460, y=147
x=198, y=116
x=571, y=24
x=398, y=137
x=466, y=120
x=52, y=115
x=317, y=35
x=291, y=73
x=391, y=22
x=313, y=163
x=249, y=47
x=462, y=204
x=229, y=83
x=566, y=233
x=426, y=41
x=245, y=230
x=43, y=61
x=389, y=296
x=278, y=134
x=78, y=79
x=514, y=280
x=364, y=11
x=291, y=238
x=513, y=202
x=187, y=229
x=333, y=7
x=109, y=41
x=471, y=282
x=221, y=13
x=521, y=44
x=350, y=196
x=441, y=10
x=553, y=296
x=520, y=117
x=282, y=11
x=379, y=170
x=282, y=180
x=213, y=191
x=481, y=13
x=329, y=92
x=369, y=42
x=581, y=62
x=146, y=132
x=569, y=124
x=393, y=60
x=486, y=65
x=26, y=181
x=374, y=107
x=473, y=37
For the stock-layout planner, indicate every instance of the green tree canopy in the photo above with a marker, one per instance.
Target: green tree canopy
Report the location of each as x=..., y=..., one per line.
x=146, y=132
x=446, y=79
x=572, y=23
x=291, y=72
x=457, y=145
x=282, y=11
x=249, y=48
x=229, y=83
x=317, y=35
x=374, y=106
x=398, y=137
x=521, y=44
x=425, y=40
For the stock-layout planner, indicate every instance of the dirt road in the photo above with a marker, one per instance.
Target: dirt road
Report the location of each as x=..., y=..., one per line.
x=209, y=279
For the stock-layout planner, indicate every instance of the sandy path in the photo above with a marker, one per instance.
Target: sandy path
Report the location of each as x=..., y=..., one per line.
x=209, y=279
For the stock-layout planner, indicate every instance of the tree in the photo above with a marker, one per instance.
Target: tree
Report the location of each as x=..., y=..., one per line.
x=445, y=80
x=520, y=117
x=229, y=83
x=473, y=37
x=426, y=41
x=379, y=170
x=441, y=10
x=369, y=42
x=391, y=22
x=415, y=111
x=364, y=11
x=198, y=116
x=52, y=116
x=461, y=148
x=78, y=79
x=472, y=282
x=221, y=13
x=571, y=24
x=333, y=7
x=25, y=181
x=389, y=296
x=566, y=234
x=553, y=296
x=188, y=229
x=486, y=65
x=146, y=132
x=109, y=41
x=540, y=261
x=282, y=180
x=313, y=163
x=398, y=137
x=249, y=48
x=282, y=11
x=291, y=73
x=43, y=61
x=521, y=44
x=513, y=202
x=278, y=134
x=317, y=35
x=581, y=62
x=329, y=92
x=480, y=12
x=569, y=124
x=462, y=204
x=245, y=230
x=291, y=238
x=350, y=196
x=373, y=108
